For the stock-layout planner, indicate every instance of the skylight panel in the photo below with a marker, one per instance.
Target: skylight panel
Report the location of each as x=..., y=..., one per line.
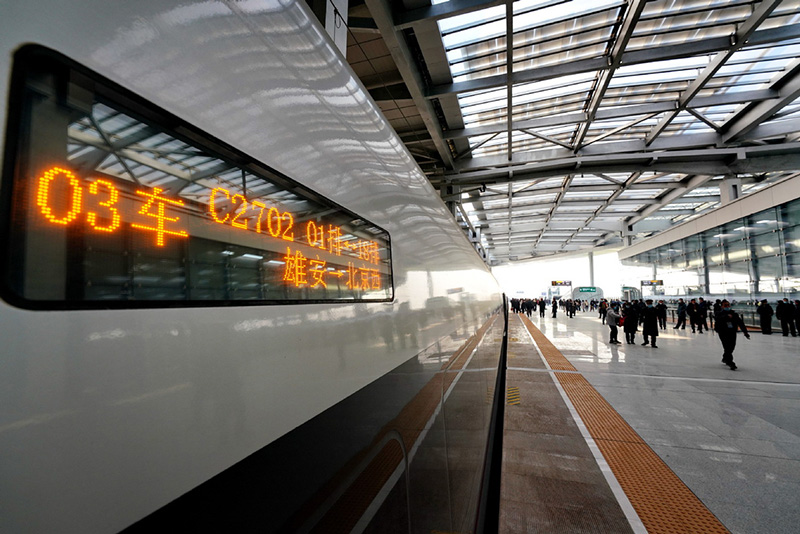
x=555, y=92
x=757, y=78
x=696, y=62
x=457, y=22
x=695, y=19
x=588, y=195
x=564, y=55
x=775, y=58
x=678, y=37
x=761, y=67
x=640, y=194
x=653, y=78
x=492, y=30
x=552, y=83
x=567, y=11
x=780, y=21
x=673, y=7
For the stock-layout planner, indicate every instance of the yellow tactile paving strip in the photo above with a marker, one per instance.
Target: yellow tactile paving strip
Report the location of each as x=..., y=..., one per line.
x=554, y=358
x=662, y=501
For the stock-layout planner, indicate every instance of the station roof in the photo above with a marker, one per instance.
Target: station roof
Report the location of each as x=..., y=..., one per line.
x=599, y=122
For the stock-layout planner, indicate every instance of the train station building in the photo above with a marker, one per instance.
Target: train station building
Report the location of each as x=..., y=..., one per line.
x=641, y=149
x=258, y=259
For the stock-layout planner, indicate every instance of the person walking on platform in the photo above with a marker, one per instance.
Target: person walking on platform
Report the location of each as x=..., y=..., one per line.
x=613, y=319
x=681, y=316
x=542, y=306
x=785, y=313
x=661, y=313
x=702, y=308
x=650, y=324
x=603, y=309
x=715, y=310
x=555, y=308
x=694, y=316
x=727, y=323
x=765, y=314
x=630, y=322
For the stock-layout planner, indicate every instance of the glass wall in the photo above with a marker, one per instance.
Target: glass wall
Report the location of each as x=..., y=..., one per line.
x=746, y=260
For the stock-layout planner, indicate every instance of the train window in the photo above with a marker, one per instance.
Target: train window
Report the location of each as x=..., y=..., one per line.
x=109, y=201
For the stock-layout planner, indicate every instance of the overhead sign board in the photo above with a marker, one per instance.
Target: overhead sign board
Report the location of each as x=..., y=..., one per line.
x=588, y=289
x=561, y=283
x=652, y=282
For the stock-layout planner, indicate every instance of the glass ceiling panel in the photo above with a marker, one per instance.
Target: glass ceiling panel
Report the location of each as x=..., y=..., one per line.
x=565, y=54
x=696, y=18
x=790, y=112
x=541, y=38
x=702, y=191
x=557, y=131
x=468, y=20
x=489, y=24
x=491, y=66
x=718, y=114
x=662, y=8
x=591, y=180
x=653, y=77
x=780, y=21
x=752, y=78
x=587, y=195
x=550, y=182
x=568, y=208
x=556, y=32
x=641, y=194
x=548, y=108
x=737, y=66
x=679, y=37
x=643, y=94
x=687, y=123
x=584, y=30
x=523, y=93
x=606, y=126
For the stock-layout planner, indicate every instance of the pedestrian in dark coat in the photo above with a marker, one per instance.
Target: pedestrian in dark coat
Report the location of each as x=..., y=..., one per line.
x=650, y=324
x=681, y=315
x=727, y=323
x=630, y=324
x=694, y=316
x=702, y=308
x=661, y=313
x=765, y=314
x=785, y=313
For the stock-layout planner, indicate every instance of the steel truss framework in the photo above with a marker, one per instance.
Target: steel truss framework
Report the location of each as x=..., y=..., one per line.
x=598, y=122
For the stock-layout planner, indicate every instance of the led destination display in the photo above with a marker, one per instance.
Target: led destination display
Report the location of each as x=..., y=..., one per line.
x=109, y=205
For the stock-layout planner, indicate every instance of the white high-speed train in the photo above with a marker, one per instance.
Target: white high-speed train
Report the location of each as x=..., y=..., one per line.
x=229, y=297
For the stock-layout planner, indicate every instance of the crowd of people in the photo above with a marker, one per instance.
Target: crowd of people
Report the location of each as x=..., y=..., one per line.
x=786, y=311
x=567, y=306
x=650, y=317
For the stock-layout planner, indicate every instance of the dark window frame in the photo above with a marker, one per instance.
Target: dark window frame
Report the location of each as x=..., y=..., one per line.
x=30, y=56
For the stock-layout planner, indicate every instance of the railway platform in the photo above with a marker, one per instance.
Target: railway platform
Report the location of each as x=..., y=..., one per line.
x=627, y=438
